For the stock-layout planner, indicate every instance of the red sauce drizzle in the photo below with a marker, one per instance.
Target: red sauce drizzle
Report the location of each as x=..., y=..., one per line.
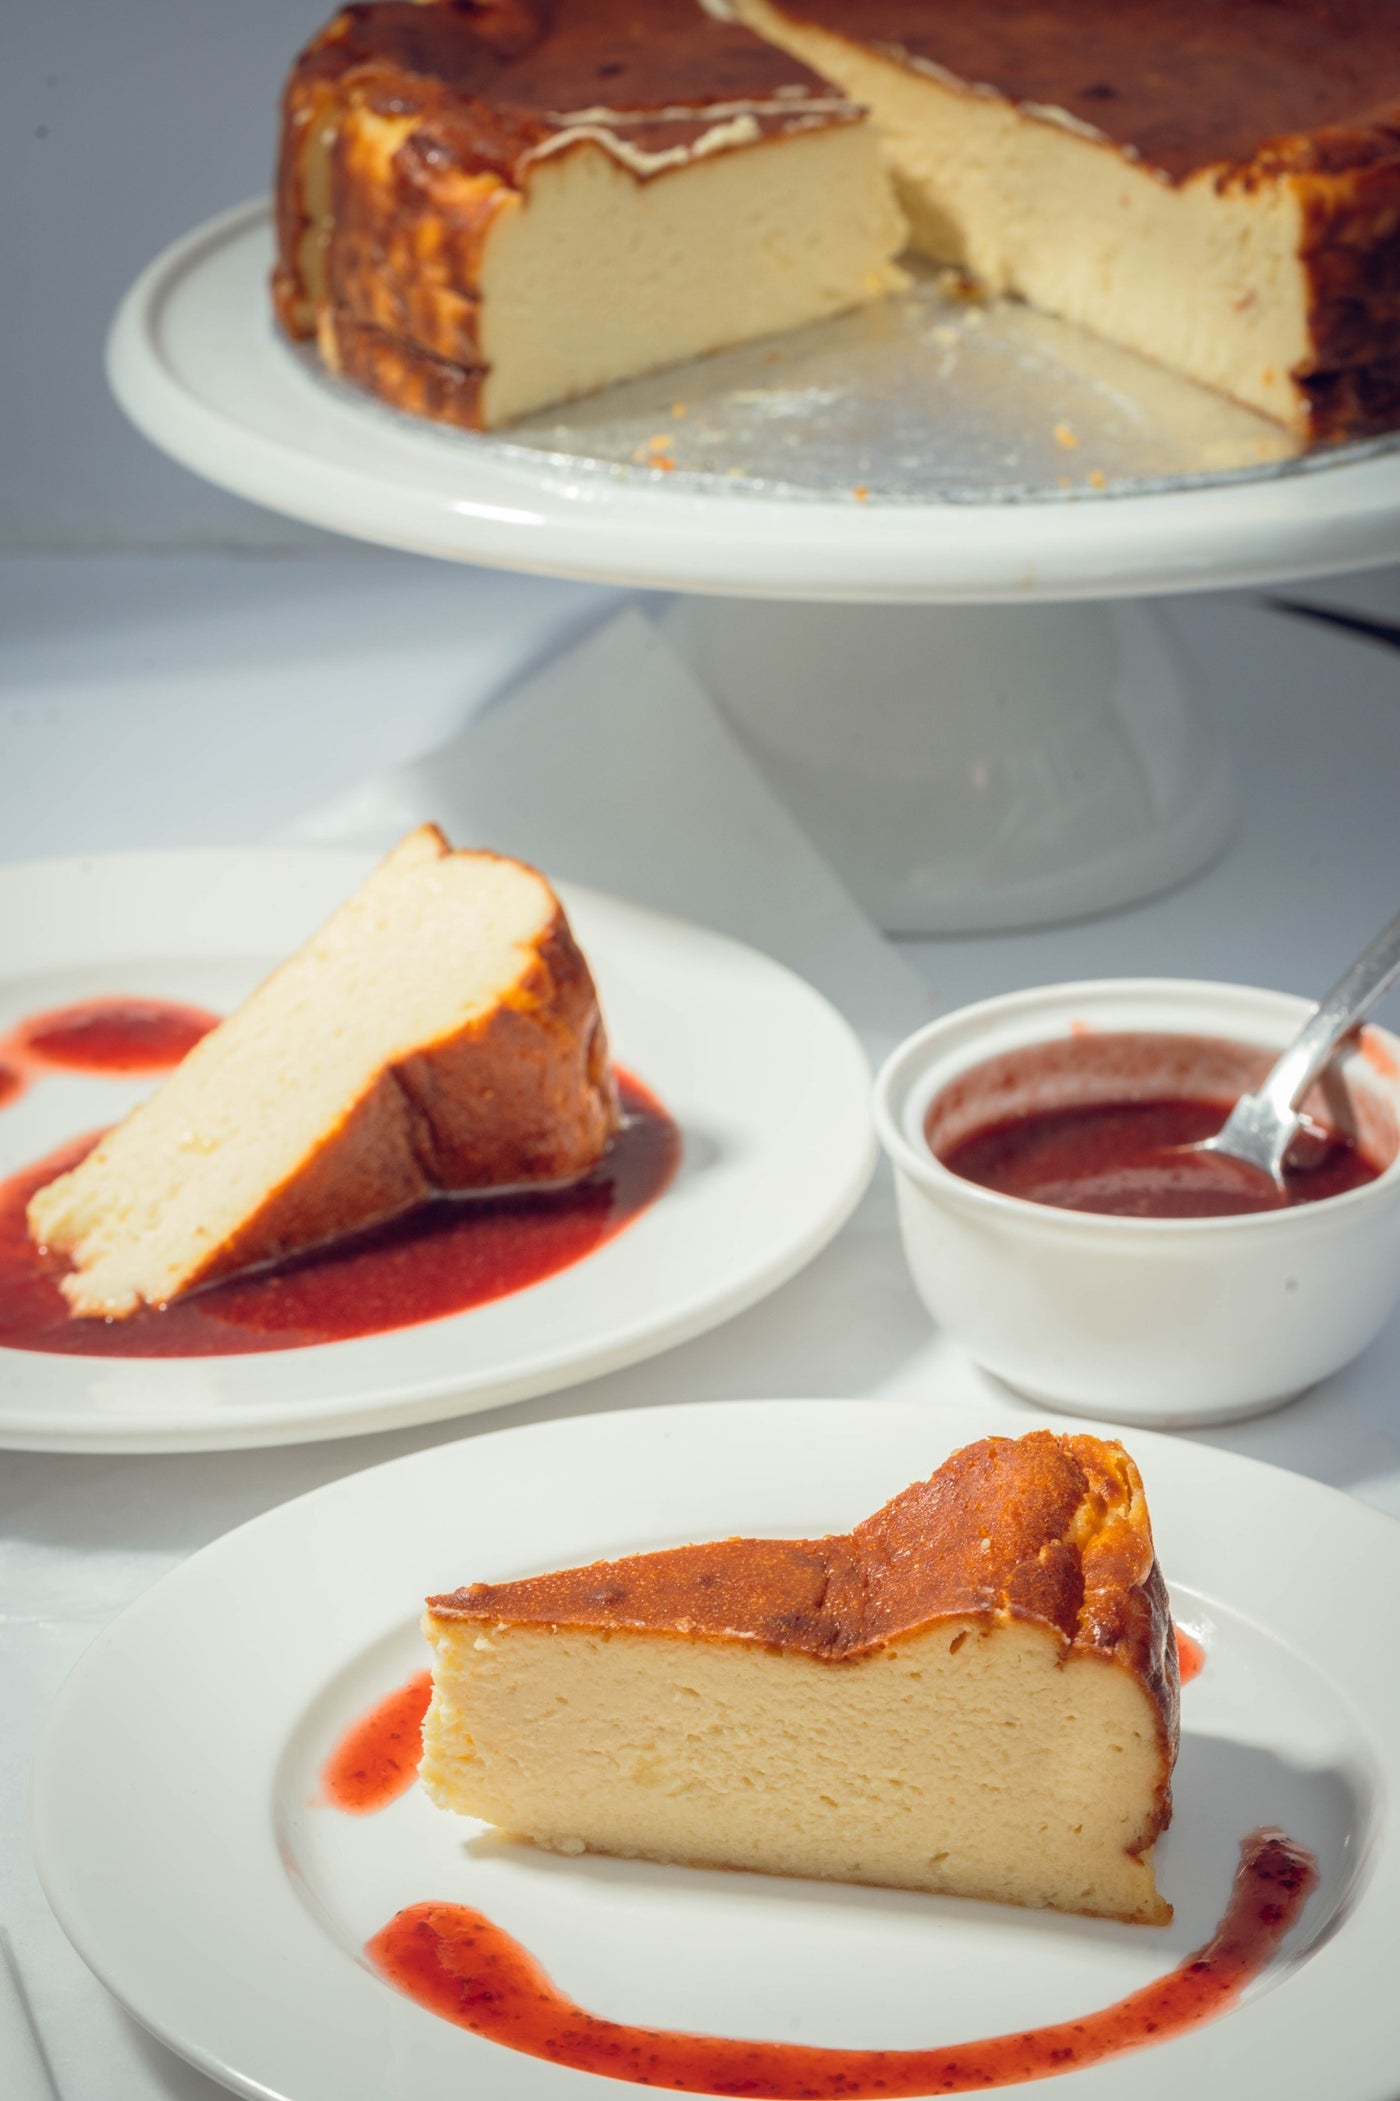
x=441, y=1259
x=376, y=1760
x=1190, y=1656
x=114, y=1035
x=1124, y=1158
x=456, y=1963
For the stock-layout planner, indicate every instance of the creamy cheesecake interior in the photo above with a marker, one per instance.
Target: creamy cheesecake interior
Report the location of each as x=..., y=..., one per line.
x=651, y=273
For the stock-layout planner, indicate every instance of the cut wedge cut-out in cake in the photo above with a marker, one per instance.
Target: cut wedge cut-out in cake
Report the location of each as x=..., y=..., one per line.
x=441, y=1033
x=973, y=1692
x=1212, y=183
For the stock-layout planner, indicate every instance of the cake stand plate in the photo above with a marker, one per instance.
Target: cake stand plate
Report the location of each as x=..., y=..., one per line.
x=924, y=450
x=965, y=769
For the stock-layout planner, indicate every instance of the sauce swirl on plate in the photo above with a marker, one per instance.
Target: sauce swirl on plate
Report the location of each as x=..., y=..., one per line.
x=457, y=1963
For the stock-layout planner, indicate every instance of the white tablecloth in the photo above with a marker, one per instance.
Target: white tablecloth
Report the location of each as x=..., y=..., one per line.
x=177, y=702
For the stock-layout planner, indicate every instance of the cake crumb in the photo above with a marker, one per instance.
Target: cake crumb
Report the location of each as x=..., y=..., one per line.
x=656, y=453
x=1064, y=437
x=861, y=493
x=1096, y=478
x=956, y=284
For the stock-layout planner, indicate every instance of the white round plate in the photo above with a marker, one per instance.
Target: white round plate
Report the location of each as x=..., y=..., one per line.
x=197, y=365
x=767, y=1083
x=193, y=1866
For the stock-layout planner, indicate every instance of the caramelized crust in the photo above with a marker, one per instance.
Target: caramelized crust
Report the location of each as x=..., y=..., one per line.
x=414, y=380
x=1045, y=1528
x=502, y=76
x=1184, y=85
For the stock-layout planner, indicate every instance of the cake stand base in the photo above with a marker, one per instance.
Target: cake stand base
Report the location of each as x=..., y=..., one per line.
x=972, y=768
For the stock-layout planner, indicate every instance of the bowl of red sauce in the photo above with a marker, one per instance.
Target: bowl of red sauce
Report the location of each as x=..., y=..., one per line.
x=1060, y=1226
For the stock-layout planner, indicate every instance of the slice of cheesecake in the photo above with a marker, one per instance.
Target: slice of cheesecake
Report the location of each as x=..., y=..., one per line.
x=975, y=1691
x=487, y=206
x=440, y=1033
x=1213, y=183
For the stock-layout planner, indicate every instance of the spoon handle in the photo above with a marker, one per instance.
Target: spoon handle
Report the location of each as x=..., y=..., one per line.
x=1354, y=994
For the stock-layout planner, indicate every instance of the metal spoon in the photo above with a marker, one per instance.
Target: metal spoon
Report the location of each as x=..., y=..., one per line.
x=1262, y=1125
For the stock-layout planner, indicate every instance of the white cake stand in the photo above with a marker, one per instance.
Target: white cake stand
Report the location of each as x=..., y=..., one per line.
x=967, y=768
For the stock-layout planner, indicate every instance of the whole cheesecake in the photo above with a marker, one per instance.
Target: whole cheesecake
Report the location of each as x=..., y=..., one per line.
x=1213, y=183
x=486, y=206
x=975, y=1692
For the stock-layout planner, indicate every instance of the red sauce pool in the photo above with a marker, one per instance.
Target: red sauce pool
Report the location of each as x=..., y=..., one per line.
x=1190, y=1656
x=441, y=1259
x=1120, y=1158
x=115, y=1035
x=456, y=1963
x=376, y=1760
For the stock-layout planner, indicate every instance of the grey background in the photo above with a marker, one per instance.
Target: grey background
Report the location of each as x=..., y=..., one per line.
x=121, y=126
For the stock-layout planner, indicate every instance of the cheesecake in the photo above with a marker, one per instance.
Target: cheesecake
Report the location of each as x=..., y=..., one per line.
x=440, y=1035
x=1212, y=183
x=488, y=206
x=974, y=1692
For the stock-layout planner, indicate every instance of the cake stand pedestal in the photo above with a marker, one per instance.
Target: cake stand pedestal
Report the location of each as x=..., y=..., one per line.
x=972, y=768
x=1001, y=743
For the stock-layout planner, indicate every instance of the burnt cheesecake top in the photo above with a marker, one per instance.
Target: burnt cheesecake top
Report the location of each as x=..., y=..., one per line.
x=658, y=79
x=1182, y=85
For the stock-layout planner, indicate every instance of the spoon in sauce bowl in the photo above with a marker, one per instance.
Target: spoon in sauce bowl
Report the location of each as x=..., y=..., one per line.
x=1263, y=1125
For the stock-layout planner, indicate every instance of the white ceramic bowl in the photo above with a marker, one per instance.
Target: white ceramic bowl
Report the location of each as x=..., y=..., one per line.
x=1163, y=1321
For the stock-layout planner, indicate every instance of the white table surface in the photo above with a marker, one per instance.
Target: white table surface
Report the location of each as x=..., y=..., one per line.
x=167, y=701
x=177, y=668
